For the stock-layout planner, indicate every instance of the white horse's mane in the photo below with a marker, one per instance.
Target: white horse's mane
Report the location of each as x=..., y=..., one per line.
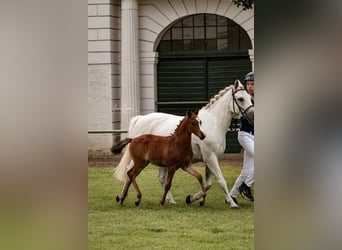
x=211, y=102
x=218, y=96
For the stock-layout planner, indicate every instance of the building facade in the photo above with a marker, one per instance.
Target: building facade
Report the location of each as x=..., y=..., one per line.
x=161, y=55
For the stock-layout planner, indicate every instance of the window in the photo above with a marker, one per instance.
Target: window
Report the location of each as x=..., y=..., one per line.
x=205, y=32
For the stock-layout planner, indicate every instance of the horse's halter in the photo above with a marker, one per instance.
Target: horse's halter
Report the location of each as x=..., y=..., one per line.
x=242, y=110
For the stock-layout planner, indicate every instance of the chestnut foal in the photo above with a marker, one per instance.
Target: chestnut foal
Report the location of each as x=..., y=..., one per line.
x=172, y=152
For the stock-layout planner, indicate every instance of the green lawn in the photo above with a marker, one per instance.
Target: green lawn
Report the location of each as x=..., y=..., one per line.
x=181, y=226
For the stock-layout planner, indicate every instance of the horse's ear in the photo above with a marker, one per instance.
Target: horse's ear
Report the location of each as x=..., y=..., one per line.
x=196, y=112
x=237, y=83
x=188, y=113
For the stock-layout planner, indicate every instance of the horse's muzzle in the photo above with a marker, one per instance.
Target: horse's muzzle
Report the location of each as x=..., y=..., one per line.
x=250, y=115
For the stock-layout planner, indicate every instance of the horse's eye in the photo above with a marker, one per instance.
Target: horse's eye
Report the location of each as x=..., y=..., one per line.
x=240, y=99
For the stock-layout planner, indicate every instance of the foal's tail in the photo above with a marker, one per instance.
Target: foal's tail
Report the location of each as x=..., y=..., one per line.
x=121, y=169
x=117, y=148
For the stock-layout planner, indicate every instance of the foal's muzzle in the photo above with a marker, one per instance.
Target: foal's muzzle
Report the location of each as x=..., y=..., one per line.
x=202, y=136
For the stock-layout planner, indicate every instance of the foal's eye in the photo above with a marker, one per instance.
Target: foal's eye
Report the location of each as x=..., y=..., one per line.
x=240, y=99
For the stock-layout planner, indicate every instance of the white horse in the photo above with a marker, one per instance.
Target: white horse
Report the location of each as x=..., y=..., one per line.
x=216, y=116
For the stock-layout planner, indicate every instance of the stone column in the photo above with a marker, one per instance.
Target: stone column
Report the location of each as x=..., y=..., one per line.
x=130, y=73
x=251, y=56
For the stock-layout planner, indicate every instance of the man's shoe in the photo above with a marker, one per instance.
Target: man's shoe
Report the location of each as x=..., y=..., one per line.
x=246, y=192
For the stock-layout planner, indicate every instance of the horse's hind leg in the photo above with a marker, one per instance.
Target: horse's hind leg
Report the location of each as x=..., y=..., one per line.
x=198, y=176
x=137, y=190
x=121, y=197
x=133, y=174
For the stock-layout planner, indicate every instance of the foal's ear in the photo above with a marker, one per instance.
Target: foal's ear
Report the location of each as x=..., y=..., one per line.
x=196, y=112
x=188, y=113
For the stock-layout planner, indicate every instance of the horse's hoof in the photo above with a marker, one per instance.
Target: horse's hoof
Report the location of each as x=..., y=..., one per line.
x=201, y=203
x=188, y=199
x=234, y=206
x=137, y=203
x=117, y=199
x=171, y=201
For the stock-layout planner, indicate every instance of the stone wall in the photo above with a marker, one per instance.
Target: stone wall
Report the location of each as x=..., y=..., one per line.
x=103, y=71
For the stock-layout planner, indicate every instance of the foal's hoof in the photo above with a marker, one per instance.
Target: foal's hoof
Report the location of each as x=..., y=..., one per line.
x=188, y=199
x=201, y=203
x=117, y=199
x=137, y=203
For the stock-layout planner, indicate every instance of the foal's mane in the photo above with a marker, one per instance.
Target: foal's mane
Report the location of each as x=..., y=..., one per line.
x=218, y=96
x=179, y=125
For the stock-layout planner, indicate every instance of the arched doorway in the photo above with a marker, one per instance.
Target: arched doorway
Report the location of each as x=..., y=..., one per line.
x=198, y=56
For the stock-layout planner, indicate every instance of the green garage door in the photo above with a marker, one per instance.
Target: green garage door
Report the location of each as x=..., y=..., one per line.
x=188, y=83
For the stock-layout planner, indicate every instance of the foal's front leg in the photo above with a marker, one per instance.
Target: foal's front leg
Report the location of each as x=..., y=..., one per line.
x=162, y=176
x=171, y=171
x=214, y=167
x=193, y=172
x=209, y=181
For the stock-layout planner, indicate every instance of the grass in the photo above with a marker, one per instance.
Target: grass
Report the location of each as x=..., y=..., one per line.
x=181, y=226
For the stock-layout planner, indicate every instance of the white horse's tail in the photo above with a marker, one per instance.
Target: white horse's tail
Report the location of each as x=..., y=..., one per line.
x=121, y=169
